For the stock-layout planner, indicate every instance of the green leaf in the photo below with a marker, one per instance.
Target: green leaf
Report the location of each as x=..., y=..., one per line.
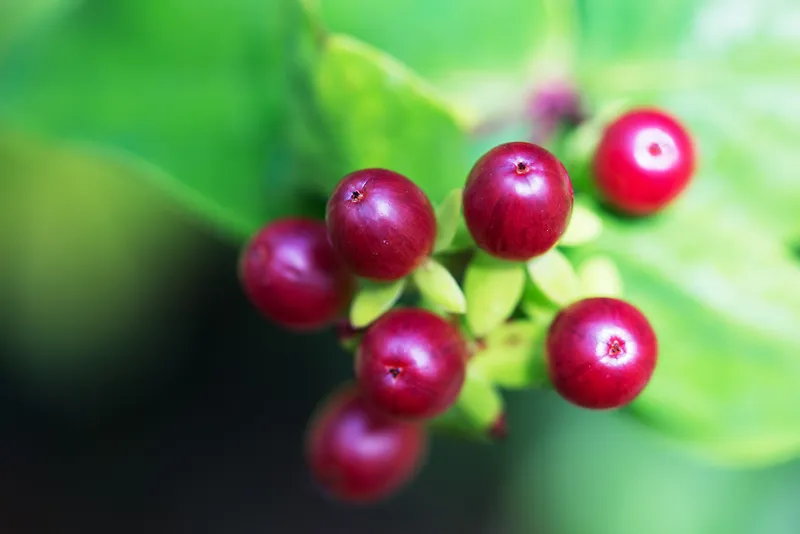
x=197, y=90
x=600, y=277
x=554, y=276
x=439, y=287
x=512, y=355
x=714, y=272
x=87, y=253
x=462, y=240
x=493, y=289
x=373, y=300
x=448, y=217
x=538, y=313
x=584, y=226
x=478, y=407
x=364, y=109
x=20, y=18
x=474, y=41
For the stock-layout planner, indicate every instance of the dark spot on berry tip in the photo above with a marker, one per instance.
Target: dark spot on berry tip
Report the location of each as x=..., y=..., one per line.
x=615, y=348
x=394, y=371
x=521, y=167
x=356, y=196
x=654, y=149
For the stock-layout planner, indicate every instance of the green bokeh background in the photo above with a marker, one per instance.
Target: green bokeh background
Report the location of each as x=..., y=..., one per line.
x=140, y=141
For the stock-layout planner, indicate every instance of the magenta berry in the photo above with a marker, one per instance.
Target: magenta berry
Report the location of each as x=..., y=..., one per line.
x=517, y=201
x=411, y=364
x=644, y=160
x=357, y=454
x=381, y=223
x=291, y=273
x=601, y=353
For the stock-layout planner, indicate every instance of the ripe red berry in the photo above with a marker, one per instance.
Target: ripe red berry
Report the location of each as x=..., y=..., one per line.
x=517, y=201
x=381, y=223
x=291, y=273
x=411, y=364
x=601, y=353
x=358, y=454
x=644, y=160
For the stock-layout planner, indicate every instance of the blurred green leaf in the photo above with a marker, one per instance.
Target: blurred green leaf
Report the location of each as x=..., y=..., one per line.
x=86, y=250
x=538, y=313
x=493, y=289
x=439, y=287
x=714, y=272
x=196, y=89
x=19, y=18
x=584, y=226
x=448, y=217
x=512, y=355
x=478, y=407
x=373, y=300
x=553, y=275
x=599, y=277
x=208, y=103
x=448, y=38
x=561, y=454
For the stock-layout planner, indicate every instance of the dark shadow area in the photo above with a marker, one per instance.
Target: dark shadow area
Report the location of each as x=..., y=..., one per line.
x=215, y=444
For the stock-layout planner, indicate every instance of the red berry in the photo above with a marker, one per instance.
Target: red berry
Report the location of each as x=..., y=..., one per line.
x=291, y=273
x=358, y=454
x=517, y=201
x=644, y=160
x=381, y=223
x=411, y=364
x=601, y=353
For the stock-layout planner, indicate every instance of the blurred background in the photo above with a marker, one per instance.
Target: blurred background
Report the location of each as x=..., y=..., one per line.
x=139, y=392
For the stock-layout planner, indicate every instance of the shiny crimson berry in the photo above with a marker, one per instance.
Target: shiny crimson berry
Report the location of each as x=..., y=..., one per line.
x=411, y=364
x=644, y=160
x=381, y=223
x=517, y=201
x=291, y=273
x=601, y=353
x=358, y=454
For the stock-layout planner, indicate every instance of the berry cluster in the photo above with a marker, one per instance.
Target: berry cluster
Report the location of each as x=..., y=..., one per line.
x=410, y=365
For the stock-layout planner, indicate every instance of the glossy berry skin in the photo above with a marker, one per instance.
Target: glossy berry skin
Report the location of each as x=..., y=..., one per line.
x=517, y=201
x=643, y=161
x=601, y=353
x=359, y=455
x=381, y=223
x=291, y=273
x=411, y=364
